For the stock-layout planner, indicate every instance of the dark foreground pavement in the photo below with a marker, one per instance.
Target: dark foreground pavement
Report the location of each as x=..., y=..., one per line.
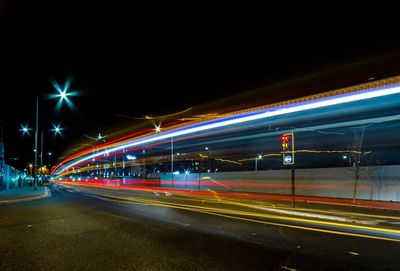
x=77, y=231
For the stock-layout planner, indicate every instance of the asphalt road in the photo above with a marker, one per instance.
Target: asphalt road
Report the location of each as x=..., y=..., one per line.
x=74, y=230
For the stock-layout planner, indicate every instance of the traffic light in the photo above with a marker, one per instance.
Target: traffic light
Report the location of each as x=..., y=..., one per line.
x=288, y=148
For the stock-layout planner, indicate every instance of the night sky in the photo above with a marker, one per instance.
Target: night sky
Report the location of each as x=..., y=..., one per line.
x=136, y=62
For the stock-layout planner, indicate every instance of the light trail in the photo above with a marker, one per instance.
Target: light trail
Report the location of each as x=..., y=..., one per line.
x=223, y=199
x=242, y=195
x=243, y=215
x=247, y=117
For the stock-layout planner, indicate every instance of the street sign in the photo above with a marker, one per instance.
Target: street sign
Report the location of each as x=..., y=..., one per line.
x=287, y=160
x=287, y=149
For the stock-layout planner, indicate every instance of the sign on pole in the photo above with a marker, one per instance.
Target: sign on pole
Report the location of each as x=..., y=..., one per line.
x=288, y=149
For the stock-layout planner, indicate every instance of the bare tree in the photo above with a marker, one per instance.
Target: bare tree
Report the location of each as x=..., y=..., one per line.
x=357, y=147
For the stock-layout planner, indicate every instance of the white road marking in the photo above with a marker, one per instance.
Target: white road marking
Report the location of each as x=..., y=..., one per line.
x=353, y=253
x=313, y=215
x=287, y=268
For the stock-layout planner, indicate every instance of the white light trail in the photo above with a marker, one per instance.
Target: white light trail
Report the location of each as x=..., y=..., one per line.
x=298, y=107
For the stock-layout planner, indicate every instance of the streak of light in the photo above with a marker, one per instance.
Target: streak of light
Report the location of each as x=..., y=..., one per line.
x=228, y=161
x=246, y=117
x=167, y=116
x=238, y=215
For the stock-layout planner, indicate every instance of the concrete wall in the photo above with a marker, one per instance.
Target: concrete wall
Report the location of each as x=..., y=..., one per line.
x=375, y=183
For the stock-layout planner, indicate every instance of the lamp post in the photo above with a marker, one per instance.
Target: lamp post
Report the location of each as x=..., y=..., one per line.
x=36, y=143
x=63, y=95
x=56, y=130
x=256, y=161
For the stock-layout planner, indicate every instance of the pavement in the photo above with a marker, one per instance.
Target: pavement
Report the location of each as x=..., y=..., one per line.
x=24, y=193
x=85, y=228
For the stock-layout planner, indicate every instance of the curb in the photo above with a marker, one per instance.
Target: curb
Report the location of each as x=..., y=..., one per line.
x=46, y=194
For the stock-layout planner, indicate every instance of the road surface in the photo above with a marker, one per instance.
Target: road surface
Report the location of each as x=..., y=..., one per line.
x=78, y=229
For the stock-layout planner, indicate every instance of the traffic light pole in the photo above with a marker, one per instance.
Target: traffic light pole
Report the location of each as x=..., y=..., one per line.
x=293, y=186
x=288, y=158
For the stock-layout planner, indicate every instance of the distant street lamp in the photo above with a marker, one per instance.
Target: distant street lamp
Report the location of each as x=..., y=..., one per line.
x=158, y=128
x=25, y=130
x=30, y=169
x=256, y=161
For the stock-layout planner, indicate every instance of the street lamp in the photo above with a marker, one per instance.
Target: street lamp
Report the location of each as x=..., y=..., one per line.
x=157, y=128
x=57, y=129
x=259, y=156
x=30, y=168
x=25, y=130
x=63, y=93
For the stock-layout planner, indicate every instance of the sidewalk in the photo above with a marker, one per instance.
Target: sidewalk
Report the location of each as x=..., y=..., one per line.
x=25, y=193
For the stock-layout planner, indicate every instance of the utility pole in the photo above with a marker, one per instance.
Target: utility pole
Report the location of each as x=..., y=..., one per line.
x=172, y=162
x=41, y=152
x=35, y=182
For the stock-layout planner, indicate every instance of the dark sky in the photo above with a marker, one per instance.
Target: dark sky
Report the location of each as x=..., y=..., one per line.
x=140, y=61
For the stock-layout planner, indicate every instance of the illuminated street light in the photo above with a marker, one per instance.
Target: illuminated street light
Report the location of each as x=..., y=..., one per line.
x=158, y=128
x=100, y=137
x=56, y=129
x=64, y=93
x=25, y=129
x=259, y=156
x=30, y=165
